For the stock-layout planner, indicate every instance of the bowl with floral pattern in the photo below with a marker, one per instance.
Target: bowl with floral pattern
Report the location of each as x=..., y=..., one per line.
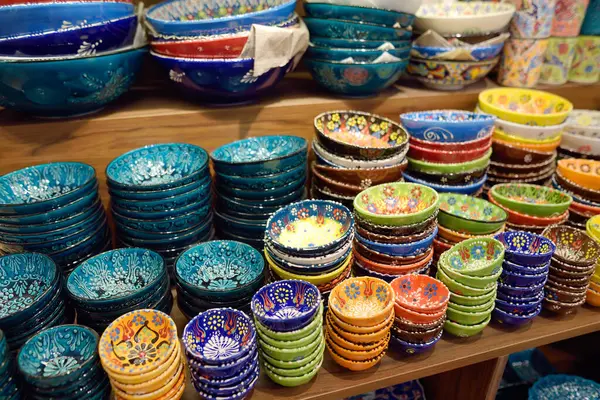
x=539, y=201
x=449, y=75
x=524, y=248
x=340, y=29
x=470, y=214
x=402, y=249
x=420, y=292
x=359, y=134
x=476, y=257
x=517, y=291
x=573, y=246
x=470, y=188
x=396, y=204
x=472, y=281
x=362, y=301
x=584, y=173
x=220, y=269
x=447, y=126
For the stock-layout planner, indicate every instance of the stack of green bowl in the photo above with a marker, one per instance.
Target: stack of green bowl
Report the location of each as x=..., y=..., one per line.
x=471, y=270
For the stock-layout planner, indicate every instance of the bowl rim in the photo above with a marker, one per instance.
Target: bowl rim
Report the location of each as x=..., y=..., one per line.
x=509, y=8
x=468, y=242
x=24, y=60
x=359, y=23
x=477, y=200
x=565, y=112
x=289, y=138
x=382, y=312
x=358, y=49
x=438, y=187
x=364, y=63
x=432, y=235
x=534, y=235
x=352, y=6
x=567, y=199
x=364, y=41
x=440, y=152
x=470, y=165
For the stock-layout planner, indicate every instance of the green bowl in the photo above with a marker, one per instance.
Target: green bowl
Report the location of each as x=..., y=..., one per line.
x=469, y=214
x=424, y=166
x=459, y=288
x=461, y=330
x=473, y=281
x=291, y=344
x=292, y=366
x=292, y=335
x=535, y=200
x=291, y=381
x=476, y=257
x=396, y=204
x=474, y=308
x=290, y=354
x=473, y=301
x=297, y=372
x=468, y=318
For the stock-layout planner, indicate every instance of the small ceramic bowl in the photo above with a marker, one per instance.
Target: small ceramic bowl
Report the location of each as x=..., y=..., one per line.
x=403, y=249
x=353, y=296
x=393, y=269
x=561, y=308
x=274, y=192
x=446, y=156
x=522, y=280
x=398, y=230
x=321, y=280
x=461, y=330
x=519, y=307
x=415, y=348
x=526, y=248
x=340, y=29
x=517, y=291
x=418, y=317
x=394, y=239
x=573, y=246
x=564, y=296
x=520, y=219
x=533, y=200
x=468, y=318
x=420, y=292
x=335, y=321
x=462, y=289
x=354, y=365
x=469, y=214
x=593, y=298
x=472, y=300
x=447, y=126
x=361, y=14
x=363, y=177
x=263, y=182
x=328, y=158
x=358, y=355
x=473, y=188
x=289, y=381
x=476, y=257
x=508, y=318
x=417, y=337
x=582, y=172
x=439, y=168
x=472, y=281
x=358, y=55
x=449, y=75
x=290, y=354
x=357, y=43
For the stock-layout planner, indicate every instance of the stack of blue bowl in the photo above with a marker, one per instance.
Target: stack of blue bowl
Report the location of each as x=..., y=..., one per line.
x=116, y=282
x=254, y=177
x=161, y=198
x=9, y=386
x=63, y=363
x=67, y=58
x=53, y=209
x=357, y=51
x=31, y=289
x=220, y=346
x=524, y=273
x=218, y=274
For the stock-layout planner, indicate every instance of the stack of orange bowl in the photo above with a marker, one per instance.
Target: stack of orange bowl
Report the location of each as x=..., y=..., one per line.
x=527, y=133
x=593, y=293
x=358, y=322
x=420, y=309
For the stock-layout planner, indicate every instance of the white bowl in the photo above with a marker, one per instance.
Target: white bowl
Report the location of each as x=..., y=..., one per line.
x=584, y=123
x=405, y=6
x=351, y=163
x=312, y=260
x=528, y=131
x=580, y=143
x=464, y=18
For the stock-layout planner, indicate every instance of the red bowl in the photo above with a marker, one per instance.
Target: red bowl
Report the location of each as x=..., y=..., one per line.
x=216, y=47
x=471, y=145
x=446, y=156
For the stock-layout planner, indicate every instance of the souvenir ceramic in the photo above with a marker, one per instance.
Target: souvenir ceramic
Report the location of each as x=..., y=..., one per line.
x=573, y=246
x=349, y=44
x=568, y=17
x=340, y=29
x=362, y=301
x=471, y=188
x=425, y=166
x=446, y=157
x=522, y=62
x=558, y=60
x=330, y=159
x=360, y=14
x=405, y=249
x=581, y=172
x=531, y=199
x=476, y=257
x=585, y=64
x=449, y=75
x=533, y=19
x=363, y=177
x=358, y=55
x=460, y=330
x=420, y=292
x=469, y=214
x=526, y=248
x=561, y=386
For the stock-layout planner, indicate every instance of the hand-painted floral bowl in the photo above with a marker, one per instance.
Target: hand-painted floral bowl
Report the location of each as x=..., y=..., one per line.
x=470, y=189
x=522, y=280
x=573, y=246
x=363, y=177
x=425, y=166
x=360, y=14
x=531, y=291
x=476, y=52
x=220, y=269
x=472, y=281
x=354, y=365
x=358, y=55
x=447, y=126
x=286, y=305
x=402, y=249
x=564, y=296
x=526, y=248
x=560, y=307
x=391, y=269
x=468, y=317
x=446, y=156
x=521, y=219
x=393, y=239
x=533, y=200
x=509, y=318
x=470, y=214
x=584, y=173
x=476, y=257
x=313, y=269
x=340, y=29
x=398, y=230
x=357, y=355
x=360, y=135
x=362, y=301
x=525, y=269
x=248, y=377
x=559, y=386
x=420, y=292
x=417, y=337
x=460, y=330
x=470, y=301
x=449, y=75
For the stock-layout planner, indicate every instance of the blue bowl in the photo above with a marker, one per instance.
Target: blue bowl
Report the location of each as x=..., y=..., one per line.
x=447, y=126
x=45, y=312
x=508, y=318
x=519, y=308
x=45, y=187
x=192, y=18
x=525, y=269
x=223, y=370
x=264, y=182
x=191, y=236
x=406, y=249
x=258, y=244
x=337, y=29
x=157, y=167
x=225, y=382
x=522, y=292
x=357, y=43
x=220, y=269
x=247, y=376
x=464, y=189
x=286, y=305
x=479, y=53
x=268, y=206
x=358, y=79
x=258, y=156
x=358, y=55
x=169, y=225
x=132, y=233
x=521, y=280
x=222, y=208
x=526, y=248
x=262, y=194
x=238, y=226
x=58, y=355
x=359, y=14
x=87, y=381
x=414, y=348
x=158, y=216
x=160, y=194
x=561, y=387
x=68, y=86
x=94, y=244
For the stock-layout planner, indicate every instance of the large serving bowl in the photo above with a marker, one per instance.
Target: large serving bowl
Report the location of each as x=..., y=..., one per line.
x=362, y=301
x=476, y=257
x=470, y=214
x=447, y=126
x=358, y=55
x=359, y=14
x=468, y=18
x=585, y=173
x=338, y=29
x=449, y=75
x=573, y=246
x=533, y=200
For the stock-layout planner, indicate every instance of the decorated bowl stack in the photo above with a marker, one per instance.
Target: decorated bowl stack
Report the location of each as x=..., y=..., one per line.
x=420, y=312
x=471, y=270
x=579, y=178
x=555, y=387
x=218, y=274
x=571, y=269
x=449, y=149
x=70, y=58
x=525, y=271
x=31, y=288
x=9, y=385
x=355, y=150
x=142, y=356
x=221, y=350
x=530, y=208
x=53, y=209
x=310, y=241
x=116, y=282
x=254, y=177
x=161, y=198
x=357, y=51
x=359, y=318
x=581, y=137
x=593, y=293
x=395, y=229
x=289, y=321
x=62, y=362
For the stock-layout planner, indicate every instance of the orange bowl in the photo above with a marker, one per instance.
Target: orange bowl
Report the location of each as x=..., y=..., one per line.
x=420, y=293
x=359, y=329
x=592, y=297
x=440, y=246
x=358, y=355
x=392, y=269
x=353, y=365
x=362, y=301
x=585, y=173
x=361, y=337
x=584, y=208
x=418, y=317
x=341, y=341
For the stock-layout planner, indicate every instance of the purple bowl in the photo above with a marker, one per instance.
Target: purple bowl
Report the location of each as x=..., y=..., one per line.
x=524, y=269
x=526, y=248
x=521, y=280
x=520, y=299
x=519, y=308
x=507, y=318
x=413, y=348
x=528, y=291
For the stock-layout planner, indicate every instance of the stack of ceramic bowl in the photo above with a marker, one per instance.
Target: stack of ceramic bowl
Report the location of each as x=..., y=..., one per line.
x=471, y=270
x=221, y=350
x=357, y=51
x=593, y=292
x=463, y=217
x=9, y=385
x=420, y=310
x=572, y=266
x=160, y=198
x=62, y=362
x=116, y=282
x=31, y=288
x=580, y=179
x=525, y=271
x=449, y=149
x=70, y=58
x=289, y=322
x=141, y=354
x=254, y=177
x=217, y=274
x=530, y=208
x=310, y=241
x=359, y=319
x=395, y=228
x=562, y=387
x=355, y=150
x=53, y=209
x=581, y=137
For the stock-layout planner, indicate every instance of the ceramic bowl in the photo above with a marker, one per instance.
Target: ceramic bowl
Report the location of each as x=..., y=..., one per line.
x=520, y=219
x=354, y=365
x=532, y=200
x=509, y=318
x=476, y=52
x=468, y=318
x=522, y=292
x=309, y=261
x=593, y=298
x=446, y=157
x=357, y=43
x=358, y=55
x=460, y=330
x=525, y=269
x=325, y=157
x=561, y=308
x=472, y=188
x=447, y=126
x=593, y=227
x=469, y=214
x=582, y=172
x=397, y=230
x=370, y=258
x=362, y=177
x=462, y=289
x=359, y=14
x=472, y=281
x=573, y=246
x=357, y=355
x=415, y=348
x=360, y=270
x=476, y=257
x=563, y=385
x=264, y=182
x=271, y=336
x=258, y=207
x=420, y=292
x=274, y=192
x=404, y=250
x=340, y=29
x=572, y=187
x=351, y=297
x=581, y=144
x=509, y=153
x=526, y=248
x=457, y=179
x=357, y=341
x=522, y=280
x=333, y=186
x=417, y=337
x=320, y=280
x=425, y=166
x=419, y=317
x=449, y=75
x=470, y=301
x=227, y=45
x=391, y=239
x=312, y=269
x=564, y=296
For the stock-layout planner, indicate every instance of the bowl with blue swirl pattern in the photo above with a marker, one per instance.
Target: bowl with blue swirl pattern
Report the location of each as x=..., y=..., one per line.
x=447, y=125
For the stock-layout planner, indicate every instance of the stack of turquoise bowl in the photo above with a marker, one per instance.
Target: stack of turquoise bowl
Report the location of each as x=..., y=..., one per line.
x=161, y=198
x=254, y=177
x=53, y=209
x=357, y=51
x=63, y=363
x=116, y=282
x=9, y=387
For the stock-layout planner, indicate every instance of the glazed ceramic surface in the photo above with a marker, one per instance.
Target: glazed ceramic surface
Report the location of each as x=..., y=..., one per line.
x=471, y=188
x=359, y=14
x=358, y=55
x=357, y=43
x=522, y=62
x=526, y=248
x=531, y=199
x=447, y=126
x=470, y=166
x=533, y=19
x=449, y=75
x=558, y=60
x=338, y=29
x=417, y=152
x=420, y=292
x=582, y=172
x=564, y=387
x=470, y=214
x=477, y=256
x=361, y=298
x=477, y=52
x=573, y=246
x=568, y=17
x=592, y=18
x=403, y=250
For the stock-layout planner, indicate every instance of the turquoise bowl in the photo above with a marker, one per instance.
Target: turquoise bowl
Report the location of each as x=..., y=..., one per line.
x=261, y=206
x=358, y=55
x=84, y=248
x=159, y=194
x=220, y=269
x=337, y=29
x=264, y=182
x=239, y=226
x=359, y=14
x=357, y=43
x=140, y=234
x=199, y=206
x=275, y=192
x=157, y=167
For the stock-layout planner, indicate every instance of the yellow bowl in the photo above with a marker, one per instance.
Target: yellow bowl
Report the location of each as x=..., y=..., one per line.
x=355, y=355
x=314, y=279
x=525, y=106
x=585, y=173
x=592, y=227
x=167, y=386
x=334, y=334
x=152, y=384
x=592, y=298
x=544, y=148
x=500, y=134
x=354, y=365
x=359, y=329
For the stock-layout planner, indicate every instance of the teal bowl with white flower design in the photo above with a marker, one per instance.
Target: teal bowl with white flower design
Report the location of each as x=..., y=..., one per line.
x=476, y=257
x=470, y=214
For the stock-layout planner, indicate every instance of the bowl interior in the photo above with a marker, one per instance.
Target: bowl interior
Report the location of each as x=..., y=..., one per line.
x=396, y=199
x=361, y=297
x=525, y=243
x=472, y=9
x=286, y=299
x=420, y=291
x=573, y=245
x=530, y=194
x=471, y=208
x=474, y=254
x=193, y=10
x=257, y=149
x=526, y=101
